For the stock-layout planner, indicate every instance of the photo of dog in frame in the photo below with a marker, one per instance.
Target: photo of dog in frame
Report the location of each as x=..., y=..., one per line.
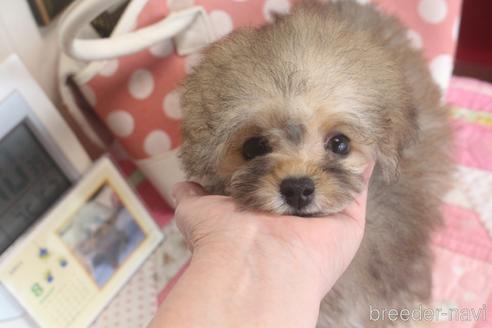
x=286, y=117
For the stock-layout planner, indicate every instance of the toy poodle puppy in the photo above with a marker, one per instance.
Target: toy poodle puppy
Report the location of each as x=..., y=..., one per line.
x=286, y=117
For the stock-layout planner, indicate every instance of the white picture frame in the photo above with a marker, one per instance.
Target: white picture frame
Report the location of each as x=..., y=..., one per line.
x=48, y=124
x=34, y=108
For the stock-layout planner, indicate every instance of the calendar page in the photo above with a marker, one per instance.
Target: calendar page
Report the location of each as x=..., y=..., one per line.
x=74, y=262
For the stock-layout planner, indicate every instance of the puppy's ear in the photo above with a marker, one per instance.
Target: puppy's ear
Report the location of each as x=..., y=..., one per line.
x=401, y=133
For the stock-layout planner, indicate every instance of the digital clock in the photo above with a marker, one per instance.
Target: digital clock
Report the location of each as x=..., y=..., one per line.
x=31, y=180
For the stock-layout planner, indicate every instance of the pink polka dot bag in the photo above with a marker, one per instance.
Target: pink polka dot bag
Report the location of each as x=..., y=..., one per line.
x=132, y=79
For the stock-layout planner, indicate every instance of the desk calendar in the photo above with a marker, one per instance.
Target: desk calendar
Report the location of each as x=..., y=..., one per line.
x=82, y=252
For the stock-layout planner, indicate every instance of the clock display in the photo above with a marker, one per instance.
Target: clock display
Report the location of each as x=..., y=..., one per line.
x=30, y=182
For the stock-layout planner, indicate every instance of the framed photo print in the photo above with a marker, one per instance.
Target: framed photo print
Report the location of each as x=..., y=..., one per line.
x=82, y=252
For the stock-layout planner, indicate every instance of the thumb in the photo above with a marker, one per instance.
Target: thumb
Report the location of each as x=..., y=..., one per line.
x=186, y=190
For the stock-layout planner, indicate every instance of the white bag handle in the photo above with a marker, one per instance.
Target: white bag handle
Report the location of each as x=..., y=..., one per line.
x=83, y=11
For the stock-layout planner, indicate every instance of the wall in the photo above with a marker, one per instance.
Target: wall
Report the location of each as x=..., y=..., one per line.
x=39, y=50
x=474, y=53
x=37, y=47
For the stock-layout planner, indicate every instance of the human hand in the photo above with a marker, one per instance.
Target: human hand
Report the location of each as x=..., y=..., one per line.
x=307, y=251
x=252, y=269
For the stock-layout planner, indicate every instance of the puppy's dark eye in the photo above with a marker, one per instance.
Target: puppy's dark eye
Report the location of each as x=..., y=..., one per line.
x=339, y=144
x=255, y=146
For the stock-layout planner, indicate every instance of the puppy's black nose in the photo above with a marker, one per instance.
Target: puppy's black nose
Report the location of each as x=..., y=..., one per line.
x=297, y=192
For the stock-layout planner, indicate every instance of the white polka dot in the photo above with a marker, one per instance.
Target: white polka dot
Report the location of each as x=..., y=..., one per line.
x=191, y=61
x=469, y=297
x=121, y=123
x=162, y=49
x=455, y=30
x=275, y=7
x=110, y=67
x=433, y=11
x=172, y=105
x=89, y=94
x=441, y=67
x=222, y=22
x=141, y=84
x=415, y=39
x=157, y=142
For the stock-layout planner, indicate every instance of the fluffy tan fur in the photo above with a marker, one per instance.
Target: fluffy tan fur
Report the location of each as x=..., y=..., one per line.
x=326, y=69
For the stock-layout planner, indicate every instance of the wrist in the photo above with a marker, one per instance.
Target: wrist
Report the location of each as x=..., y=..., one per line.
x=265, y=274
x=256, y=250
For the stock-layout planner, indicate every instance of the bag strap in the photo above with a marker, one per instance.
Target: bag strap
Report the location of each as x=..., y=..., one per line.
x=82, y=12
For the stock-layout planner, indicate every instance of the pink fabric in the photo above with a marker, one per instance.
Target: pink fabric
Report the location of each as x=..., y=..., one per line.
x=138, y=96
x=463, y=248
x=461, y=282
x=472, y=126
x=470, y=148
x=470, y=93
x=464, y=233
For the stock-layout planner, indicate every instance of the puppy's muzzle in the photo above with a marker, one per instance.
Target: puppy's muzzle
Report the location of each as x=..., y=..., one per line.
x=297, y=192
